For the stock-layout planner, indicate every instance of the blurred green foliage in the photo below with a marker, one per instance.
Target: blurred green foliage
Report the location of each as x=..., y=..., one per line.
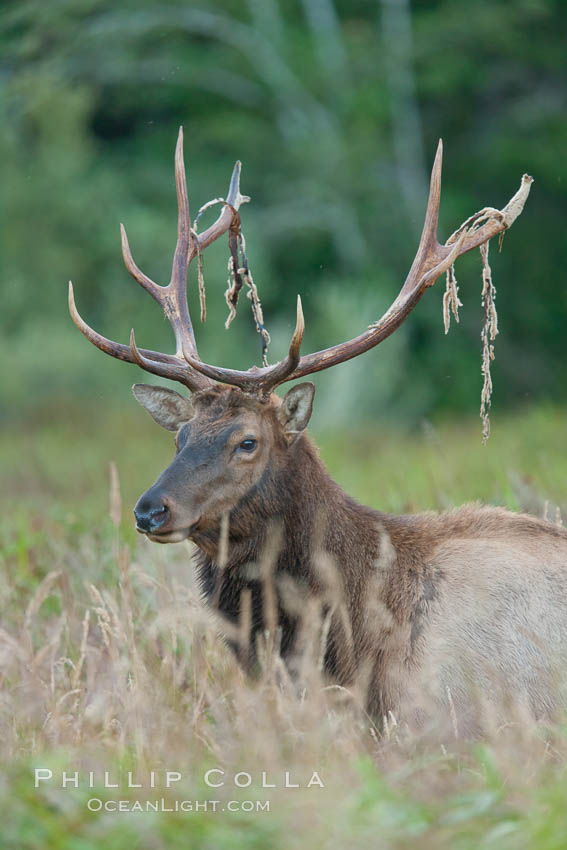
x=335, y=109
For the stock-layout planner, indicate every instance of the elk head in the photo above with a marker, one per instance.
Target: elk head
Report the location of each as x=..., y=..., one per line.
x=232, y=454
x=233, y=434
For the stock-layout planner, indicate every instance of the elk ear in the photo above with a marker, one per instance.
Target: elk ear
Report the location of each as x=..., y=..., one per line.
x=296, y=409
x=165, y=406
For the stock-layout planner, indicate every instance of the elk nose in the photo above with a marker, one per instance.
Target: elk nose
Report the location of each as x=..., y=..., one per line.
x=150, y=518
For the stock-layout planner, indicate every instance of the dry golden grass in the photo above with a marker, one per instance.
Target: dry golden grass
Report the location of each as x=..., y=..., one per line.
x=109, y=661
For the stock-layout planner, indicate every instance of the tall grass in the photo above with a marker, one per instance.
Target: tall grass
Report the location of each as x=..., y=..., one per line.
x=109, y=661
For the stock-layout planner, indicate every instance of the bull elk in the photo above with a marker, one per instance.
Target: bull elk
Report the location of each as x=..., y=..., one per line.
x=434, y=607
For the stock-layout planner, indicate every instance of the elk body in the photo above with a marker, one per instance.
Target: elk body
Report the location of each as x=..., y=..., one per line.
x=439, y=613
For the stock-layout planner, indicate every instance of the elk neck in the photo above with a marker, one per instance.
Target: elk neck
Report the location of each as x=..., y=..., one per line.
x=302, y=511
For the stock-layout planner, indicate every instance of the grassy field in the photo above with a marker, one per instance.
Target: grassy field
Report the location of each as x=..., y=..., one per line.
x=109, y=662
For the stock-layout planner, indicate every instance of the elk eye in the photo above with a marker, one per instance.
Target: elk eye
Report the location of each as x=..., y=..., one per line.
x=248, y=445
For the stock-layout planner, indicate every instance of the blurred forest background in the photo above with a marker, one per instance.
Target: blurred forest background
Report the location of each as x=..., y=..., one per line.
x=335, y=109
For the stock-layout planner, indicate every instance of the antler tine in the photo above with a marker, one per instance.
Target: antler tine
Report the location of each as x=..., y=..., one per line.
x=156, y=362
x=176, y=371
x=297, y=337
x=234, y=200
x=259, y=380
x=282, y=370
x=175, y=305
x=428, y=242
x=182, y=248
x=149, y=285
x=115, y=349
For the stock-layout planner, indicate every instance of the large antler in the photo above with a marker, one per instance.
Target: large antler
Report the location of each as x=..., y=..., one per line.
x=173, y=297
x=431, y=260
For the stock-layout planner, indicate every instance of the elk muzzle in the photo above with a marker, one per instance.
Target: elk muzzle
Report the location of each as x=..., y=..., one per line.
x=149, y=516
x=157, y=518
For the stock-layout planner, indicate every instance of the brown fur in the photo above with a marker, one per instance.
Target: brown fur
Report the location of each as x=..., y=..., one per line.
x=450, y=613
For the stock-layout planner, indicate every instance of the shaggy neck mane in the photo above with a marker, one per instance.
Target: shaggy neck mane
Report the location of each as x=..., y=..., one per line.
x=292, y=514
